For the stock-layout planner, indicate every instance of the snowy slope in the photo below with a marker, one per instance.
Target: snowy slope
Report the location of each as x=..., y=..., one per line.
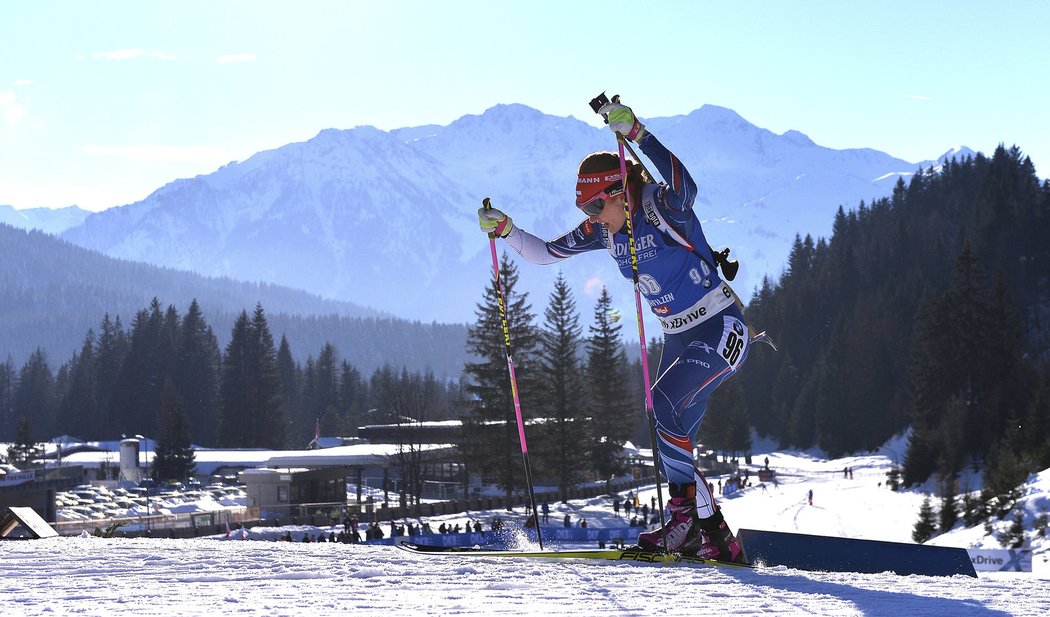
x=47, y=220
x=93, y=576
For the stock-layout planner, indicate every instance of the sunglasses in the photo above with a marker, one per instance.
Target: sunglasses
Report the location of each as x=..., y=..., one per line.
x=595, y=206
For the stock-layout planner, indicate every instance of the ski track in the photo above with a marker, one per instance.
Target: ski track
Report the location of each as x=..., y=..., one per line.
x=92, y=576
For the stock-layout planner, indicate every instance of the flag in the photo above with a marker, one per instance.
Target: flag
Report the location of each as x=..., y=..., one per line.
x=227, y=529
x=317, y=431
x=244, y=532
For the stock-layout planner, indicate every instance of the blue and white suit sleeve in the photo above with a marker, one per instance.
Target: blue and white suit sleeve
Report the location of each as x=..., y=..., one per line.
x=586, y=237
x=681, y=188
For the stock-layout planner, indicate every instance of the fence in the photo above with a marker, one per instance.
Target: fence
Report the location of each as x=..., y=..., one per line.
x=183, y=525
x=376, y=511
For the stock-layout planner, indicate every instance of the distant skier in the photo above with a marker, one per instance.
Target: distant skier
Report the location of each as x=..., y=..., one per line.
x=705, y=336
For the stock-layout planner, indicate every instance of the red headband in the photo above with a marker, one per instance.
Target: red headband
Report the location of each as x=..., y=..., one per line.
x=588, y=186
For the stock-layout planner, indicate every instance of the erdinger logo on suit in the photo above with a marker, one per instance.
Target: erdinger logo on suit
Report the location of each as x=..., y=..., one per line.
x=640, y=244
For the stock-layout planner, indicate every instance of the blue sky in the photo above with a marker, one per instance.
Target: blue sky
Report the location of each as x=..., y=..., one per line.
x=103, y=102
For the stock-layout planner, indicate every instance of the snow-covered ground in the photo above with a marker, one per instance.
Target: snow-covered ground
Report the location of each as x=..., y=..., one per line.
x=94, y=576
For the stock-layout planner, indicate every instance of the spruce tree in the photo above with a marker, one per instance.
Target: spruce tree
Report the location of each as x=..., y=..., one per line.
x=8, y=383
x=291, y=378
x=1014, y=536
x=197, y=375
x=353, y=397
x=149, y=359
x=111, y=349
x=78, y=411
x=35, y=394
x=174, y=458
x=563, y=436
x=613, y=407
x=25, y=450
x=949, y=510
x=926, y=526
x=490, y=437
x=272, y=427
x=323, y=396
x=251, y=414
x=237, y=423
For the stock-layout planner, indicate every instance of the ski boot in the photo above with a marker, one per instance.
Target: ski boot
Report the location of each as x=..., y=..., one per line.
x=681, y=531
x=719, y=543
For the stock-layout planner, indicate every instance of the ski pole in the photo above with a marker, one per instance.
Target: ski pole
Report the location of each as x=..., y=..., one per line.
x=487, y=203
x=597, y=103
x=650, y=410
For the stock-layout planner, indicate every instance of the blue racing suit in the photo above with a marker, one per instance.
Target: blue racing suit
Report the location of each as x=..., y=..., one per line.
x=705, y=336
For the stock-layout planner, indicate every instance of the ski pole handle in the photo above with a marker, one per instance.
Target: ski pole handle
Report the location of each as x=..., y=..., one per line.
x=487, y=204
x=598, y=102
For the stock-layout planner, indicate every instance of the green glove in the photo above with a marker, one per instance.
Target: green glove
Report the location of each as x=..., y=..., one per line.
x=495, y=222
x=623, y=121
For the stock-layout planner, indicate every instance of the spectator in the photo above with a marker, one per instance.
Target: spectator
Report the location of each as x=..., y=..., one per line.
x=567, y=522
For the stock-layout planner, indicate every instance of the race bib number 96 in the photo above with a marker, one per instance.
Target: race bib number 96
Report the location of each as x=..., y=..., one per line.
x=733, y=346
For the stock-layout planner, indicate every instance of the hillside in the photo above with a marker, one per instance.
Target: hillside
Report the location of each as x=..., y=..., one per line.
x=55, y=291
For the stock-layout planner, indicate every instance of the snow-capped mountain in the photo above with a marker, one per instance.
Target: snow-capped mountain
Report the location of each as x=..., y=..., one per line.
x=388, y=219
x=47, y=220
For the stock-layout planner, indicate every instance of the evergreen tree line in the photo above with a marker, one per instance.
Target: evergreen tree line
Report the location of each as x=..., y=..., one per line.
x=927, y=310
x=166, y=376
x=580, y=398
x=54, y=292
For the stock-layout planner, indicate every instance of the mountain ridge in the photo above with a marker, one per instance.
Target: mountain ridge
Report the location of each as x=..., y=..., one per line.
x=386, y=219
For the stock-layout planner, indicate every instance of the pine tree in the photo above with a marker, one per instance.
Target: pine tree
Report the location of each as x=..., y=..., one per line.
x=291, y=378
x=927, y=524
x=612, y=405
x=8, y=384
x=949, y=511
x=251, y=415
x=197, y=375
x=564, y=433
x=272, y=427
x=1014, y=536
x=950, y=393
x=174, y=458
x=237, y=423
x=323, y=395
x=353, y=397
x=34, y=396
x=78, y=411
x=148, y=361
x=25, y=450
x=490, y=436
x=112, y=348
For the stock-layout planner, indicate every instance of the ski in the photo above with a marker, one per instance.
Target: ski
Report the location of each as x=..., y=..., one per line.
x=631, y=554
